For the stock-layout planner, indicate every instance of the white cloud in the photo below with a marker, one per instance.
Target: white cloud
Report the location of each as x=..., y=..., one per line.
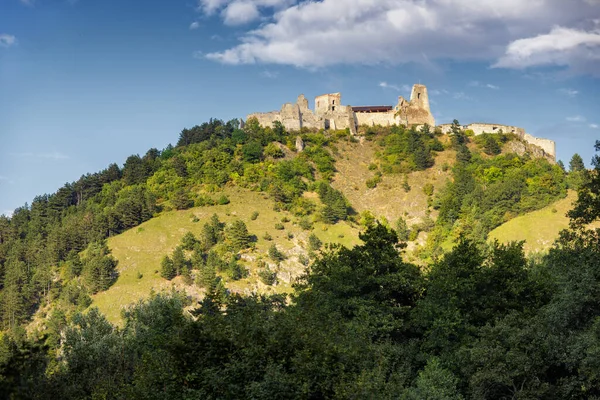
x=569, y=92
x=7, y=40
x=198, y=55
x=314, y=34
x=594, y=126
x=398, y=88
x=28, y=3
x=461, y=96
x=269, y=74
x=566, y=47
x=240, y=12
x=194, y=25
x=481, y=85
x=576, y=118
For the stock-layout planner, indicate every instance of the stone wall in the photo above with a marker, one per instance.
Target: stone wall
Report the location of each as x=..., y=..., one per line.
x=377, y=118
x=549, y=146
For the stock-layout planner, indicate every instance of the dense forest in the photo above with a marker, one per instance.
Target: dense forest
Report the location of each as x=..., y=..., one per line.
x=481, y=321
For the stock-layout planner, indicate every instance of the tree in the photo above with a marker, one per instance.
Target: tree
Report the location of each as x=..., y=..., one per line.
x=99, y=267
x=491, y=146
x=314, y=243
x=237, y=234
x=167, y=269
x=587, y=206
x=576, y=163
x=181, y=199
x=179, y=260
x=275, y=254
x=188, y=241
x=402, y=229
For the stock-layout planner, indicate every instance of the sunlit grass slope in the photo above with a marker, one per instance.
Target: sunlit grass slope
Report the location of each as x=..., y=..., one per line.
x=539, y=229
x=140, y=250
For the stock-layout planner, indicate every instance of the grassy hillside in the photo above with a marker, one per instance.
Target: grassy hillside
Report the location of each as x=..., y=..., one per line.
x=388, y=199
x=539, y=228
x=140, y=250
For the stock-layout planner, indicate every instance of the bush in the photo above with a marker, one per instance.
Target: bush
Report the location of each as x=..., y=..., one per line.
x=267, y=236
x=303, y=259
x=254, y=216
x=305, y=224
x=223, y=200
x=275, y=254
x=188, y=241
x=314, y=243
x=267, y=276
x=279, y=226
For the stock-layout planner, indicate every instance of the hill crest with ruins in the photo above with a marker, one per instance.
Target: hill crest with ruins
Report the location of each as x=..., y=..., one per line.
x=329, y=113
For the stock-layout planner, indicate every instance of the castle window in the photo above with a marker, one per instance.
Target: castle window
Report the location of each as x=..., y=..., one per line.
x=334, y=102
x=418, y=95
x=333, y=108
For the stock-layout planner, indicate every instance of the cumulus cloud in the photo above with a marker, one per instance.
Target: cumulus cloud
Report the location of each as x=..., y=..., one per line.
x=194, y=25
x=576, y=118
x=321, y=33
x=238, y=12
x=594, y=126
x=7, y=40
x=565, y=47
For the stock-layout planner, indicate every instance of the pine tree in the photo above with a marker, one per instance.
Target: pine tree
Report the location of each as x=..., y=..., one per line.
x=167, y=269
x=237, y=235
x=179, y=260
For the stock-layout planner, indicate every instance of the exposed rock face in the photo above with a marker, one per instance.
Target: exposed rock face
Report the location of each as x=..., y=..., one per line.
x=299, y=144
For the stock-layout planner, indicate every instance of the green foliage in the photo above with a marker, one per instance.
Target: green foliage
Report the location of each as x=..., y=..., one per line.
x=407, y=150
x=275, y=254
x=167, y=269
x=273, y=151
x=254, y=215
x=99, y=267
x=336, y=206
x=237, y=235
x=223, y=200
x=267, y=276
x=402, y=229
x=314, y=243
x=188, y=241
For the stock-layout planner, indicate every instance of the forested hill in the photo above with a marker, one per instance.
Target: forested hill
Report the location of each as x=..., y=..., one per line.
x=54, y=256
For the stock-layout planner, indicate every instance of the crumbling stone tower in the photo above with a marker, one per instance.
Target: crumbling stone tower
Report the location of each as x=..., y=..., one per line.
x=327, y=103
x=419, y=97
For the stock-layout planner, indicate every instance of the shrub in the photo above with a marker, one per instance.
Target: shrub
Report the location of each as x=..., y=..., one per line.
x=279, y=226
x=275, y=254
x=188, y=241
x=267, y=236
x=254, y=216
x=223, y=200
x=267, y=276
x=305, y=224
x=314, y=243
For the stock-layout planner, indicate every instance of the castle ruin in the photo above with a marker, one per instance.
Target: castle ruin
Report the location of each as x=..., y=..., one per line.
x=329, y=113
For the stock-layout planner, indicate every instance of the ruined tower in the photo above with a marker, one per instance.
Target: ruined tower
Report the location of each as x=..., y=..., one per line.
x=327, y=102
x=416, y=111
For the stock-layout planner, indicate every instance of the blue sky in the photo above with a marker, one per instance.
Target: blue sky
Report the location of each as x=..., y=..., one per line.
x=85, y=83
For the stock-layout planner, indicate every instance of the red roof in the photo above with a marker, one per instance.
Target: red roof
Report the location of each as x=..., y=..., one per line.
x=366, y=109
